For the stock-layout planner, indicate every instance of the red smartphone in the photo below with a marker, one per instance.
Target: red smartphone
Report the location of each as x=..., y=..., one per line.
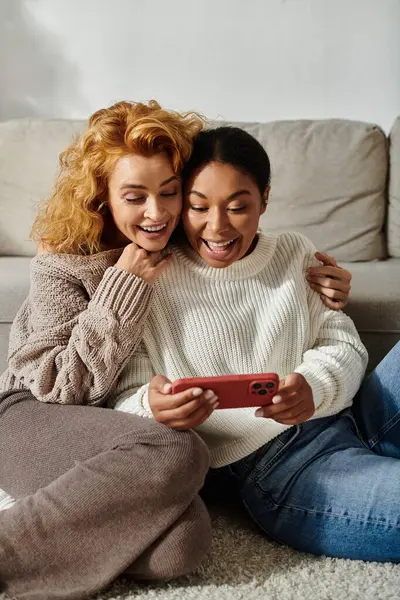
x=235, y=391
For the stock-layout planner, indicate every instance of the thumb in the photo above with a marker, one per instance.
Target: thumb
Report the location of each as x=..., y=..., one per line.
x=161, y=384
x=291, y=383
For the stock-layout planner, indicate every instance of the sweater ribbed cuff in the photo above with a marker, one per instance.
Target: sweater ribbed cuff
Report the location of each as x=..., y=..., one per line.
x=125, y=294
x=145, y=402
x=137, y=403
x=316, y=379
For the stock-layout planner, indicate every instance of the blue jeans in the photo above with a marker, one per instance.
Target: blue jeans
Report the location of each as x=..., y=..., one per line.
x=332, y=486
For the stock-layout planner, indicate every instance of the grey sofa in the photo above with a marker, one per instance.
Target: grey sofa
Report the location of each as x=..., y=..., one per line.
x=336, y=181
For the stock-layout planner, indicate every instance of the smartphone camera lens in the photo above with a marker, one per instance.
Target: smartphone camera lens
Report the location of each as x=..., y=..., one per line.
x=256, y=386
x=269, y=384
x=262, y=392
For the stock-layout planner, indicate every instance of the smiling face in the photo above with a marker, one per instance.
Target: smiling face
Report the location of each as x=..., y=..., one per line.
x=145, y=200
x=222, y=208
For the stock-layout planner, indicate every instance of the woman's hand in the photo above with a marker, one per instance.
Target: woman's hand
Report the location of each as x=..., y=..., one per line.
x=184, y=410
x=330, y=281
x=293, y=404
x=139, y=262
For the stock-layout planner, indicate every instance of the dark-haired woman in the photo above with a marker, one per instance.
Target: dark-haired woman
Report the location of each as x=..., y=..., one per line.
x=312, y=472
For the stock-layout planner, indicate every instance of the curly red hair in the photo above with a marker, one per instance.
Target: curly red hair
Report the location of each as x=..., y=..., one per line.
x=71, y=220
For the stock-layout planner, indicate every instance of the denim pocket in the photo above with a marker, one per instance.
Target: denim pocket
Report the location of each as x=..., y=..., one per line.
x=274, y=452
x=349, y=415
x=246, y=469
x=305, y=456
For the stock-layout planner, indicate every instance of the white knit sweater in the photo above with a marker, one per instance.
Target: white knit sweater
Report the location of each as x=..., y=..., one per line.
x=257, y=315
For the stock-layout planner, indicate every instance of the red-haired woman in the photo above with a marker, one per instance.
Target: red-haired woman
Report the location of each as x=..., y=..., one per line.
x=100, y=492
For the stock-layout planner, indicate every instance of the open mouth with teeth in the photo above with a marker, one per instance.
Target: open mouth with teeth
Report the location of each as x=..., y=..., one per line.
x=154, y=232
x=154, y=229
x=219, y=248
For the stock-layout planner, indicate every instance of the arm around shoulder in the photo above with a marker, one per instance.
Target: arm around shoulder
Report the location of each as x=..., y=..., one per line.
x=335, y=362
x=335, y=359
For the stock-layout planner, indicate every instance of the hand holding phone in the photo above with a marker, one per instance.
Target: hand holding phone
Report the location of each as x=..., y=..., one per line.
x=183, y=410
x=234, y=391
x=293, y=404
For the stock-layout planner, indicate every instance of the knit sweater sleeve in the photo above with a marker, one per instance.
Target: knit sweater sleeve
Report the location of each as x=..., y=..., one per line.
x=76, y=347
x=335, y=360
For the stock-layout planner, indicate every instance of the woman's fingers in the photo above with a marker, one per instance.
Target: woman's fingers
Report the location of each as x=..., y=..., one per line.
x=326, y=259
x=333, y=272
x=155, y=258
x=333, y=304
x=139, y=262
x=303, y=416
x=174, y=401
x=329, y=292
x=187, y=410
x=270, y=411
x=329, y=283
x=196, y=418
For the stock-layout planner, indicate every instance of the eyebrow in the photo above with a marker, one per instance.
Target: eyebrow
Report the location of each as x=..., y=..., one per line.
x=231, y=197
x=134, y=186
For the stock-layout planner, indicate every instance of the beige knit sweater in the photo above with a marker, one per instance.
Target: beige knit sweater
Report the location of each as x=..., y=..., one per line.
x=74, y=333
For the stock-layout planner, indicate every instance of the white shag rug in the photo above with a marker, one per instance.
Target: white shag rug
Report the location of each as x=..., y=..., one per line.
x=244, y=565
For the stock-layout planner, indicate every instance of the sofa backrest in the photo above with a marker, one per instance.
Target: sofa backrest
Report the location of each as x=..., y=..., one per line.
x=328, y=181
x=393, y=227
x=29, y=150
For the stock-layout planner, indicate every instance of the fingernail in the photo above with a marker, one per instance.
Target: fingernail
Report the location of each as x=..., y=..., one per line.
x=208, y=394
x=259, y=412
x=167, y=388
x=215, y=405
x=214, y=399
x=197, y=392
x=276, y=399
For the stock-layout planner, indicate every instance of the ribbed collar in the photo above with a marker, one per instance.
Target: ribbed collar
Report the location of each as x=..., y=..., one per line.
x=246, y=267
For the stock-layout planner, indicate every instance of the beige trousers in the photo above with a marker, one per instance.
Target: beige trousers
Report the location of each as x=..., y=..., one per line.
x=99, y=492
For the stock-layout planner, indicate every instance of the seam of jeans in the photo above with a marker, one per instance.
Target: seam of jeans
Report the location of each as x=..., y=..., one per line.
x=331, y=514
x=260, y=470
x=350, y=416
x=280, y=541
x=260, y=525
x=388, y=425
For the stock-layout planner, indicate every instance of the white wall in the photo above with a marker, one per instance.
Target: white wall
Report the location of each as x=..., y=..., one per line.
x=238, y=59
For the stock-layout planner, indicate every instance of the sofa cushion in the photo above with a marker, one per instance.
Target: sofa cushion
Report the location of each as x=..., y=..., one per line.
x=328, y=182
x=374, y=305
x=393, y=226
x=14, y=285
x=14, y=288
x=4, y=335
x=29, y=150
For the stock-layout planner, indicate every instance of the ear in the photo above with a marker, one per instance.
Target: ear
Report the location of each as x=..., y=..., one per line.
x=265, y=197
